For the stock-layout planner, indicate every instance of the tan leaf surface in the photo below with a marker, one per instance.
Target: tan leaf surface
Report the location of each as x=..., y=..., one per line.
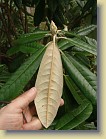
x=49, y=85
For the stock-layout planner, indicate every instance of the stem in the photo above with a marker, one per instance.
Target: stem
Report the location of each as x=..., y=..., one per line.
x=61, y=38
x=26, y=24
x=2, y=16
x=10, y=21
x=21, y=18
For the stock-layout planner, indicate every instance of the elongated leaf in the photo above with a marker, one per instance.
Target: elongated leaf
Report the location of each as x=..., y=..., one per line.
x=87, y=74
x=82, y=58
x=75, y=117
x=30, y=37
x=20, y=78
x=86, y=30
x=88, y=5
x=49, y=85
x=69, y=101
x=25, y=48
x=81, y=77
x=91, y=41
x=80, y=3
x=64, y=44
x=72, y=89
x=83, y=45
x=70, y=34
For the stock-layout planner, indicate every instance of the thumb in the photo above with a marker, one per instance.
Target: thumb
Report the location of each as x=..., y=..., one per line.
x=23, y=100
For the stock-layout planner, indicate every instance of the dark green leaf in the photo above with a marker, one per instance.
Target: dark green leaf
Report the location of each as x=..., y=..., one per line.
x=87, y=74
x=64, y=44
x=18, y=60
x=25, y=48
x=82, y=58
x=75, y=117
x=20, y=78
x=70, y=34
x=86, y=30
x=83, y=78
x=88, y=5
x=30, y=37
x=80, y=3
x=91, y=41
x=69, y=101
x=4, y=74
x=72, y=89
x=83, y=45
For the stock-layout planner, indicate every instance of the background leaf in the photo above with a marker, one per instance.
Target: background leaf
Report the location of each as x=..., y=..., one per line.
x=75, y=117
x=30, y=37
x=81, y=78
x=25, y=48
x=20, y=78
x=83, y=45
x=86, y=30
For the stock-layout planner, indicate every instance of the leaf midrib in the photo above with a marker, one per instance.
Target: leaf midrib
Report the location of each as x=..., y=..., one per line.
x=49, y=85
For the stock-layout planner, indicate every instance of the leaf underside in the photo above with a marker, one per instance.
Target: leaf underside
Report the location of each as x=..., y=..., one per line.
x=49, y=85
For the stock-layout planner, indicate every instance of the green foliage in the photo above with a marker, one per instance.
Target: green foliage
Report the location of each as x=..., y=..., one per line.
x=75, y=117
x=20, y=78
x=4, y=75
x=83, y=78
x=23, y=36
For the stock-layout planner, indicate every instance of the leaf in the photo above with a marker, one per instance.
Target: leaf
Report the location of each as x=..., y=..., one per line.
x=80, y=3
x=88, y=75
x=83, y=78
x=25, y=48
x=82, y=58
x=30, y=37
x=91, y=41
x=4, y=74
x=88, y=5
x=86, y=30
x=20, y=78
x=64, y=44
x=75, y=117
x=83, y=45
x=69, y=101
x=70, y=34
x=49, y=85
x=72, y=89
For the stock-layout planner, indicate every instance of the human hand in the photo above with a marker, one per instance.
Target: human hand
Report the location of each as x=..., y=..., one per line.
x=18, y=116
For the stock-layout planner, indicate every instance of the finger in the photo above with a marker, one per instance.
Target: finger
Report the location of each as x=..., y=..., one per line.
x=61, y=102
x=24, y=100
x=27, y=114
x=35, y=124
